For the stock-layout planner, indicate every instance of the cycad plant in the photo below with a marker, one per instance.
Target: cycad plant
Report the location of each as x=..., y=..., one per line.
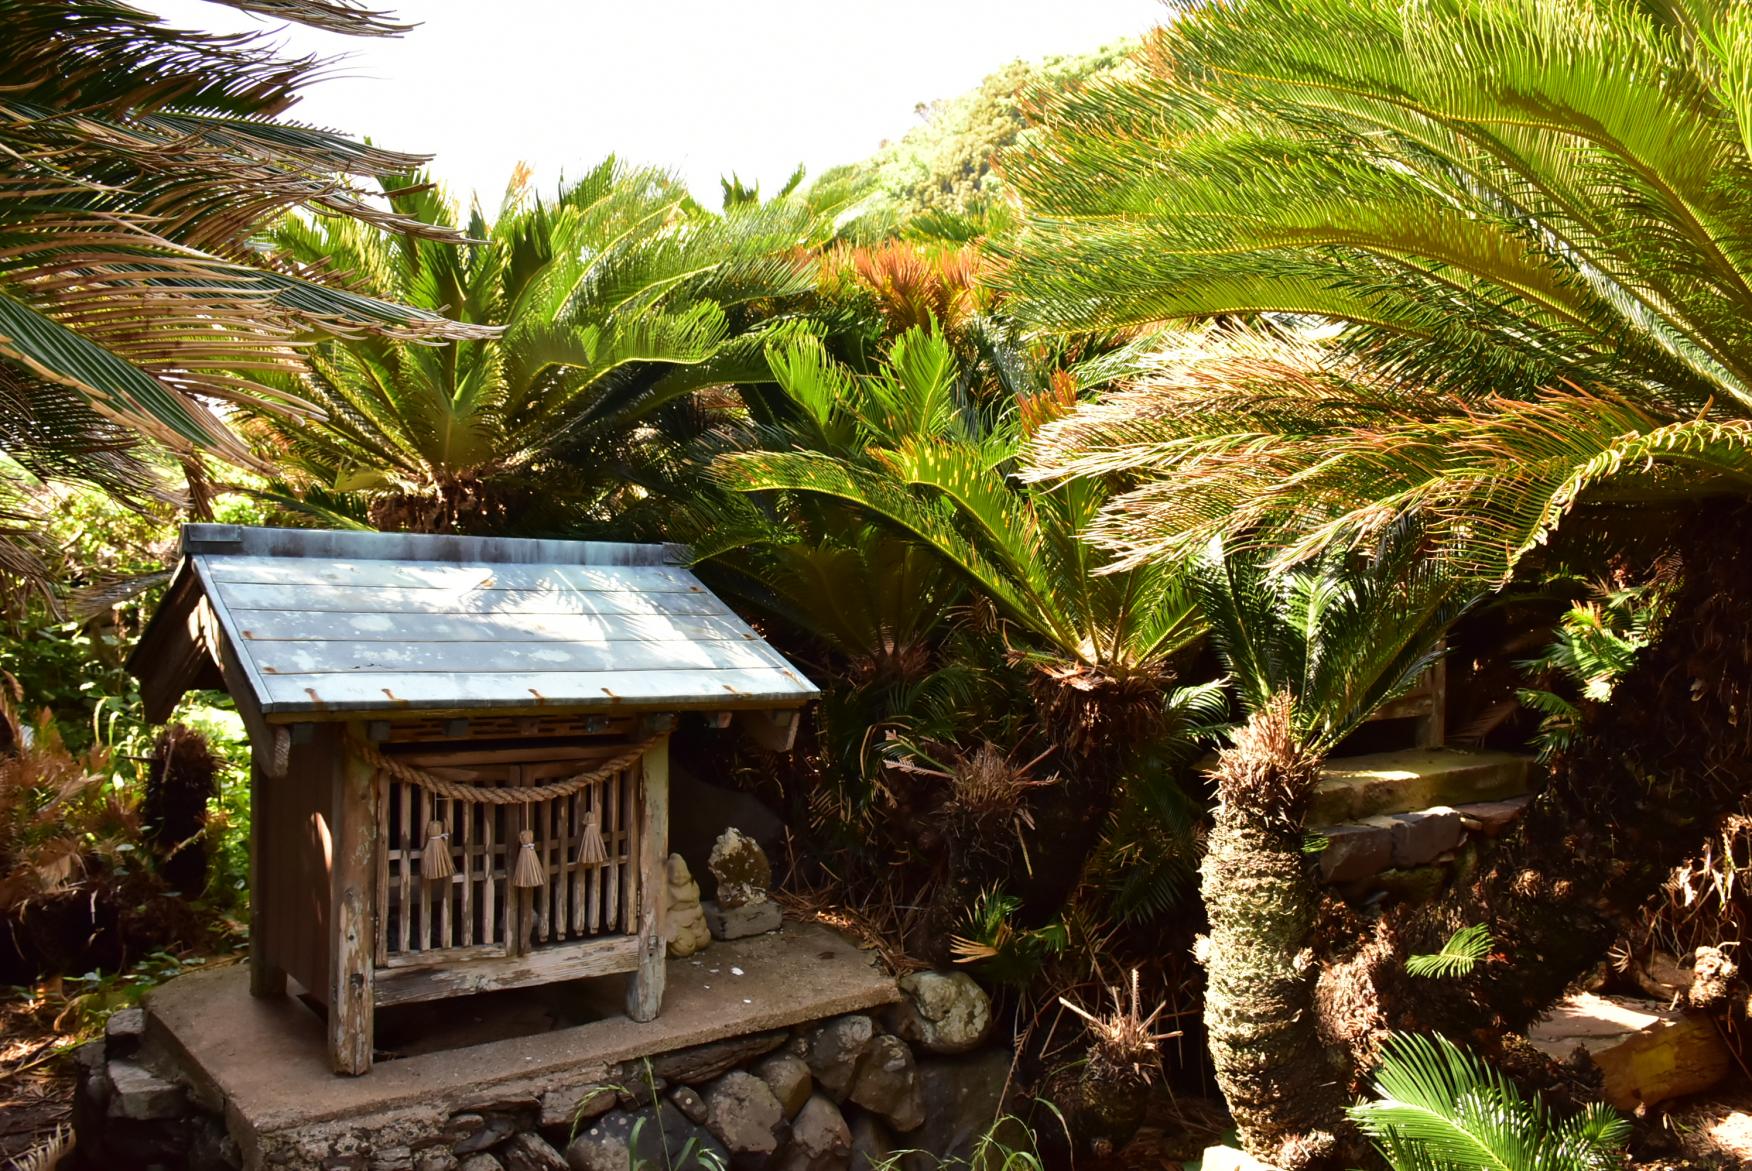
x=610, y=301
x=911, y=449
x=138, y=163
x=1438, y=1107
x=1311, y=654
x=1482, y=261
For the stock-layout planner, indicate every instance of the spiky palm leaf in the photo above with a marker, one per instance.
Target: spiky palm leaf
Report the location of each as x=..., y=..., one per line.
x=614, y=299
x=899, y=445
x=1530, y=217
x=136, y=163
x=1440, y=1108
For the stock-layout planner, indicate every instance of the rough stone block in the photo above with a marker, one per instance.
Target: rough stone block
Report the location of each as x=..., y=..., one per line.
x=756, y=918
x=531, y=1152
x=566, y=1105
x=687, y=1100
x=123, y=1032
x=836, y=1048
x=139, y=1094
x=820, y=1138
x=1355, y=851
x=789, y=1079
x=742, y=1111
x=1492, y=817
x=1423, y=836
x=887, y=1084
x=1356, y=787
x=944, y=1012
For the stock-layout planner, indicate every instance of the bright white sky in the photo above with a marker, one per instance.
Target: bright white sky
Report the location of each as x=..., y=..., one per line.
x=705, y=87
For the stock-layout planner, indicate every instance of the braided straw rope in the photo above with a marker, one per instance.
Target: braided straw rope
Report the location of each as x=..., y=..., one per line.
x=490, y=795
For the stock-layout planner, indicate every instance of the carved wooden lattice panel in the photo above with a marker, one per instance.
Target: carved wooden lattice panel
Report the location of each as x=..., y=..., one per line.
x=478, y=912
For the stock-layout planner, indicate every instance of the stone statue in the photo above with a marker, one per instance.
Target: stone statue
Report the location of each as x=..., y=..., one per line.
x=742, y=907
x=687, y=923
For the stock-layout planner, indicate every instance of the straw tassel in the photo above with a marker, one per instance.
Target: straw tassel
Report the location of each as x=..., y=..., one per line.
x=591, y=851
x=435, y=854
x=528, y=870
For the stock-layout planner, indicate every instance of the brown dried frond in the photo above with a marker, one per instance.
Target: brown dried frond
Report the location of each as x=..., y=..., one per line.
x=987, y=783
x=1125, y=1045
x=916, y=285
x=1267, y=772
x=1088, y=710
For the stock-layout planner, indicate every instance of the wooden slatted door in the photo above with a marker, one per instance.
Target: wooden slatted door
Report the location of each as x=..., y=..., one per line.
x=478, y=913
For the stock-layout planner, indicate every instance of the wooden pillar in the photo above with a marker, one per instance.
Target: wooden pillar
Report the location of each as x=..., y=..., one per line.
x=266, y=977
x=352, y=902
x=645, y=988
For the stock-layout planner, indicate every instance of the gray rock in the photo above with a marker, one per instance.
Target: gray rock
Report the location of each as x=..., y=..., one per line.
x=887, y=1084
x=741, y=868
x=699, y=811
x=944, y=1012
x=835, y=1050
x=661, y=1139
x=123, y=1032
x=491, y=1133
x=688, y=1101
x=1354, y=851
x=642, y=1088
x=480, y=1161
x=435, y=1159
x=139, y=1094
x=789, y=1079
x=1423, y=836
x=752, y=918
x=743, y=1112
x=820, y=1139
x=966, y=1095
x=530, y=1152
x=392, y=1159
x=872, y=1144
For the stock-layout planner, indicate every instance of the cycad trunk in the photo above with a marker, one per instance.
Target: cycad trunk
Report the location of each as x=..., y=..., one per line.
x=1285, y=1087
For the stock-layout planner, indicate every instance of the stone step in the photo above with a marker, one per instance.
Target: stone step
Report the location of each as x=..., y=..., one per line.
x=1357, y=850
x=1353, y=788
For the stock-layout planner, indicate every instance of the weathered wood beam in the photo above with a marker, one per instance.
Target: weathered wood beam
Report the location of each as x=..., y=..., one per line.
x=352, y=905
x=775, y=731
x=645, y=988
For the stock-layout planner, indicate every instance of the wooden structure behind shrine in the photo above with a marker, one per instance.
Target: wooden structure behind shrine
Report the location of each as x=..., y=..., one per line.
x=460, y=751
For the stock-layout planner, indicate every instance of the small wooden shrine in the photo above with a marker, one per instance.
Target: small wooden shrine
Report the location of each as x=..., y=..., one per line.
x=460, y=751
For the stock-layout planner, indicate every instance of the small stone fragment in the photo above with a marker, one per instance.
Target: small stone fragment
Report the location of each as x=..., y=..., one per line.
x=944, y=1012
x=480, y=1161
x=139, y=1094
x=887, y=1084
x=687, y=923
x=756, y=918
x=820, y=1138
x=835, y=1050
x=435, y=1159
x=688, y=1101
x=743, y=1112
x=660, y=1139
x=123, y=1032
x=531, y=1152
x=789, y=1079
x=493, y=1131
x=568, y=1106
x=741, y=868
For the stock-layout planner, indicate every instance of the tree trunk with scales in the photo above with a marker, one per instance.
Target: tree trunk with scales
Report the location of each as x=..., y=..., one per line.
x=1285, y=1086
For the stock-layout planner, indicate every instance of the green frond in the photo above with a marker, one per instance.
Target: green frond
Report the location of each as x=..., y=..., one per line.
x=1463, y=952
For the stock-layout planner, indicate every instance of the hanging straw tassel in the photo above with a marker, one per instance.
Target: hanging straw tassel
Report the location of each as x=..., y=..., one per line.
x=528, y=871
x=591, y=851
x=435, y=861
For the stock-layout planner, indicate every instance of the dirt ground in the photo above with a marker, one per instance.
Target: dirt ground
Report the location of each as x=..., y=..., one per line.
x=36, y=1086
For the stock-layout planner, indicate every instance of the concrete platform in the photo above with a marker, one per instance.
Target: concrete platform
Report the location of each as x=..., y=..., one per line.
x=1355, y=787
x=262, y=1063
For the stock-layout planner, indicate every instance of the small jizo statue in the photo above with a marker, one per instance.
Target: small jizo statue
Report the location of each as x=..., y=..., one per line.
x=687, y=923
x=743, y=873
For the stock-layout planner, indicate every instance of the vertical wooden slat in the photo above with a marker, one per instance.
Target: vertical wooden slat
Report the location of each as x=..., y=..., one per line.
x=489, y=873
x=544, y=834
x=446, y=888
x=612, y=833
x=651, y=782
x=380, y=928
x=563, y=880
x=593, y=880
x=405, y=908
x=465, y=815
x=631, y=879
x=352, y=893
x=422, y=815
x=266, y=977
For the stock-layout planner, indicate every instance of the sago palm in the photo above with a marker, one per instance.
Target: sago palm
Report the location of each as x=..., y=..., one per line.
x=1311, y=654
x=1524, y=227
x=614, y=298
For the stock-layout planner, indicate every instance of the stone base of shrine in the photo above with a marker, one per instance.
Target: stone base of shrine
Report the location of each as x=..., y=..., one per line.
x=248, y=1079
